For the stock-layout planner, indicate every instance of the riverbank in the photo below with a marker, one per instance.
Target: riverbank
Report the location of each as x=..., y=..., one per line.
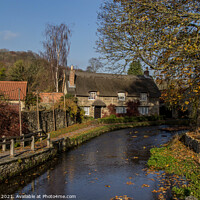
x=62, y=140
x=175, y=158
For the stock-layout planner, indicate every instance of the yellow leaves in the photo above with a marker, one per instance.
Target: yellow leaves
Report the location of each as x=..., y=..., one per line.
x=124, y=197
x=145, y=18
x=186, y=102
x=135, y=157
x=107, y=186
x=152, y=179
x=145, y=185
x=129, y=183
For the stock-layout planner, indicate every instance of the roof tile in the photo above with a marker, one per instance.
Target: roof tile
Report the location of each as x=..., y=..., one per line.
x=10, y=89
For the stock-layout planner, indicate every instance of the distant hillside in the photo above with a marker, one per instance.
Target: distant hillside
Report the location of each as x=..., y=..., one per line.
x=26, y=66
x=8, y=58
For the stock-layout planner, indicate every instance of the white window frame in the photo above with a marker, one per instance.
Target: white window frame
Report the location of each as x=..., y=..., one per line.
x=143, y=110
x=120, y=110
x=86, y=110
x=121, y=96
x=92, y=96
x=143, y=96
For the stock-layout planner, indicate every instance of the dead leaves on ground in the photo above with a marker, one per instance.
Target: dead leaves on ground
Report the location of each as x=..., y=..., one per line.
x=124, y=197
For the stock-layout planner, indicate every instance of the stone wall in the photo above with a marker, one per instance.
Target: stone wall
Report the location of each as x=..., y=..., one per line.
x=16, y=166
x=46, y=120
x=152, y=103
x=192, y=143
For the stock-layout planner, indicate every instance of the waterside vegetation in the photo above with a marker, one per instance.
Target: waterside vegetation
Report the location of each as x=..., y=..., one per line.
x=176, y=158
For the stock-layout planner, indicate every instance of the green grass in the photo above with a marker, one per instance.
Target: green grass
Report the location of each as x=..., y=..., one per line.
x=177, y=159
x=69, y=129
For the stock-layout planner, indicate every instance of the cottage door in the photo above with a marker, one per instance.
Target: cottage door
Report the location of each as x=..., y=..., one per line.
x=97, y=112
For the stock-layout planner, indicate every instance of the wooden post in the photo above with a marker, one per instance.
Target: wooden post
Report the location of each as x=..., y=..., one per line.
x=33, y=143
x=65, y=111
x=20, y=116
x=23, y=143
x=4, y=145
x=12, y=147
x=54, y=124
x=48, y=141
x=37, y=110
x=33, y=185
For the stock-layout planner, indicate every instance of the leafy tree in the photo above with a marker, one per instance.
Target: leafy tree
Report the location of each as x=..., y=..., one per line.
x=94, y=65
x=135, y=68
x=18, y=72
x=2, y=74
x=36, y=70
x=57, y=48
x=164, y=35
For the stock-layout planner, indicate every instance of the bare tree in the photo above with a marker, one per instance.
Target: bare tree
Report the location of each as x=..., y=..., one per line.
x=94, y=65
x=57, y=47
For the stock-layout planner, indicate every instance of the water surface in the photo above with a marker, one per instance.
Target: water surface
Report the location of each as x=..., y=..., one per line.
x=113, y=164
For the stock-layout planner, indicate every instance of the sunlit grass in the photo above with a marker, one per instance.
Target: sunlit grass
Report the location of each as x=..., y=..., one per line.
x=178, y=159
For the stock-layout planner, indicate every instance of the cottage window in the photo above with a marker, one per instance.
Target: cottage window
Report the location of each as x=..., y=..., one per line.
x=92, y=95
x=143, y=96
x=121, y=96
x=143, y=110
x=86, y=110
x=120, y=110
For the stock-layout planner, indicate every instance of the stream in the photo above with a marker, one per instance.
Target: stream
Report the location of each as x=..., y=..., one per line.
x=104, y=168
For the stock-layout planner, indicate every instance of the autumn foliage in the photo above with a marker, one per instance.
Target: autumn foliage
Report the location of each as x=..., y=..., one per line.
x=131, y=110
x=162, y=34
x=9, y=120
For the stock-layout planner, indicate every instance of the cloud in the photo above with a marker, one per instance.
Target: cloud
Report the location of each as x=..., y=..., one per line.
x=8, y=35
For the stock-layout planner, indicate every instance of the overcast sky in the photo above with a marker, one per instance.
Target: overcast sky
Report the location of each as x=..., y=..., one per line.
x=23, y=23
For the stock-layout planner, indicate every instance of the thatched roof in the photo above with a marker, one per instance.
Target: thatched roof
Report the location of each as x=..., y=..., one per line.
x=109, y=85
x=98, y=102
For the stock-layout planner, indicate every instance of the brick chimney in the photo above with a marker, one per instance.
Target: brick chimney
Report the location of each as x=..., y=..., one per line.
x=72, y=77
x=146, y=72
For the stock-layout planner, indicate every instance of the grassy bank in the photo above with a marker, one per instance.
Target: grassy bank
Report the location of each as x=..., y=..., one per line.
x=176, y=158
x=109, y=125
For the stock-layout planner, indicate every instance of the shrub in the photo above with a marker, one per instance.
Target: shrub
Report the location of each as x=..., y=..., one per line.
x=31, y=100
x=112, y=109
x=126, y=119
x=132, y=108
x=9, y=120
x=71, y=107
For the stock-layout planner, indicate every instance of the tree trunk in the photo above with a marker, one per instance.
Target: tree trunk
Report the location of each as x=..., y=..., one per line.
x=56, y=79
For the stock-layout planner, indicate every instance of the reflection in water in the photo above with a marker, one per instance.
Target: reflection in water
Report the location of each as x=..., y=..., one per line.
x=110, y=165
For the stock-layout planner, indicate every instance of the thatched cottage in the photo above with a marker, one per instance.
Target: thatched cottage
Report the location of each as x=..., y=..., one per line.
x=96, y=91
